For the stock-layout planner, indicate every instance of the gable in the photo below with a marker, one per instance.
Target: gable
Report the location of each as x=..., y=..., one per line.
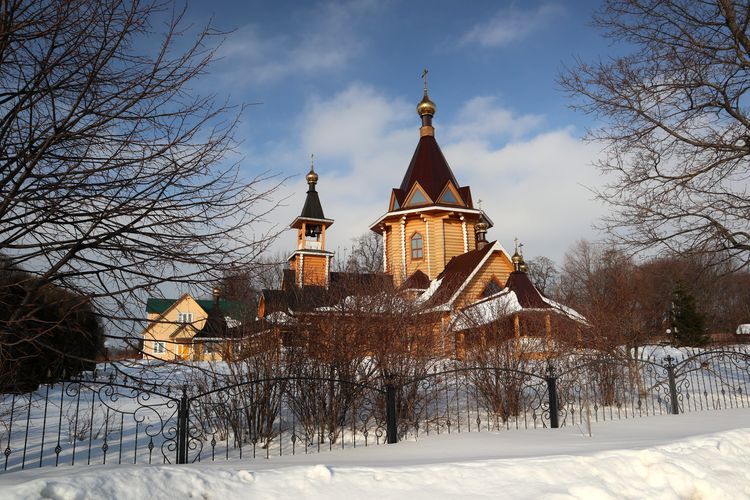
x=457, y=273
x=417, y=197
x=450, y=195
x=497, y=267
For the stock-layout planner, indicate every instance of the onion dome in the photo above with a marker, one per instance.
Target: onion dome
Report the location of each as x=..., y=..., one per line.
x=516, y=259
x=426, y=106
x=312, y=177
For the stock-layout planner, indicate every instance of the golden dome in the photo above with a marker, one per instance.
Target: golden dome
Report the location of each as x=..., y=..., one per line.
x=480, y=227
x=312, y=177
x=516, y=259
x=523, y=267
x=426, y=106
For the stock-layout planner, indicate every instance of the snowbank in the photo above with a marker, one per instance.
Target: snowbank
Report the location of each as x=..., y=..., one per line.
x=701, y=455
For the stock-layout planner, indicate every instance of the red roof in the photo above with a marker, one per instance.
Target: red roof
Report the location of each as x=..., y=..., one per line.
x=526, y=293
x=429, y=168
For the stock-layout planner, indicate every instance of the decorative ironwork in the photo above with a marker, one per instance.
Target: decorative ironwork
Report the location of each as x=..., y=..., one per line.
x=108, y=419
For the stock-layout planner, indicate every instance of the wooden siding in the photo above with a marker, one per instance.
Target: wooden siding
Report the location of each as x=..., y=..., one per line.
x=453, y=239
x=471, y=236
x=446, y=240
x=393, y=248
x=314, y=272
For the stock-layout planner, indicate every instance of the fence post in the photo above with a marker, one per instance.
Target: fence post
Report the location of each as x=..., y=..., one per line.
x=672, y=385
x=552, y=392
x=391, y=423
x=182, y=427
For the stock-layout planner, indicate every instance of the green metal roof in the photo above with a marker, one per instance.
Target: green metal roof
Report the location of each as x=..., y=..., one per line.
x=232, y=308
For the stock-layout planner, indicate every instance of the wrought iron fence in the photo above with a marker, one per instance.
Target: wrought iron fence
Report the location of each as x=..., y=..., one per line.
x=105, y=420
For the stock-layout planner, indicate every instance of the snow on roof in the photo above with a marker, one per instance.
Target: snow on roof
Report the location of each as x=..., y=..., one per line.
x=279, y=317
x=568, y=311
x=486, y=311
x=381, y=303
x=743, y=329
x=434, y=285
x=501, y=304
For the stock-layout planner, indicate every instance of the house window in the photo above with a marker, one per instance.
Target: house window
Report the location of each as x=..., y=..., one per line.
x=416, y=246
x=184, y=317
x=159, y=348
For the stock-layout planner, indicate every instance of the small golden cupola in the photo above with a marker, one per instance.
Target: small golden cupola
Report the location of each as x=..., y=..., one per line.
x=310, y=261
x=518, y=263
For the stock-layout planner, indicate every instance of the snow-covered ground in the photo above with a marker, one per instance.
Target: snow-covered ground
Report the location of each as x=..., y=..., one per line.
x=694, y=455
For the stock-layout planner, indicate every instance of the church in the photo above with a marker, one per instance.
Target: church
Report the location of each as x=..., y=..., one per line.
x=435, y=254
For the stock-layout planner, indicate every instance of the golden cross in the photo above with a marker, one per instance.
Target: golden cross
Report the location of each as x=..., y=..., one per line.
x=516, y=241
x=424, y=77
x=312, y=161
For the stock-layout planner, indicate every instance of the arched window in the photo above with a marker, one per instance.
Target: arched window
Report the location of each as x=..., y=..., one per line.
x=417, y=246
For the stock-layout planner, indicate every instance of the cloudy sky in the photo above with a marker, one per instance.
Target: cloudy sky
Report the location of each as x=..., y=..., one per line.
x=342, y=79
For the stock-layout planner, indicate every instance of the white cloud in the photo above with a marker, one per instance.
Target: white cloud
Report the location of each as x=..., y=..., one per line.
x=510, y=24
x=531, y=184
x=481, y=118
x=254, y=55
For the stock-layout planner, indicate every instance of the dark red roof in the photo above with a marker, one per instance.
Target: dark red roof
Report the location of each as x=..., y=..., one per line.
x=526, y=293
x=456, y=272
x=429, y=168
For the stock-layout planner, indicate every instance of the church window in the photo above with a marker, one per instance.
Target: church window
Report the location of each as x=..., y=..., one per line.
x=417, y=247
x=418, y=198
x=448, y=197
x=159, y=348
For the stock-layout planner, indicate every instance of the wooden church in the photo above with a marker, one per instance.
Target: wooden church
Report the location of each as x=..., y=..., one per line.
x=435, y=254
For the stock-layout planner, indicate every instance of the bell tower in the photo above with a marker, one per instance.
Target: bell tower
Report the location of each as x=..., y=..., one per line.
x=311, y=261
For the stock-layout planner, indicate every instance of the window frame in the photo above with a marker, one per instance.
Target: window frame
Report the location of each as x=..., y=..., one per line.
x=420, y=248
x=159, y=347
x=185, y=317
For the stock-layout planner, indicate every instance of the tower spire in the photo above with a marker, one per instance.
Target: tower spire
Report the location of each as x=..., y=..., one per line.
x=426, y=110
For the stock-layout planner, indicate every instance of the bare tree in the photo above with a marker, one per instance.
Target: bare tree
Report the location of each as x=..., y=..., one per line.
x=115, y=174
x=604, y=284
x=544, y=274
x=676, y=123
x=365, y=255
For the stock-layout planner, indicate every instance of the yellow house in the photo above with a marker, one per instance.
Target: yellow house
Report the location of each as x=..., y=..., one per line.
x=177, y=328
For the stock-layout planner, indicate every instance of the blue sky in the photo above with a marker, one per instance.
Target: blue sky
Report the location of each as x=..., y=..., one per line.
x=342, y=79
